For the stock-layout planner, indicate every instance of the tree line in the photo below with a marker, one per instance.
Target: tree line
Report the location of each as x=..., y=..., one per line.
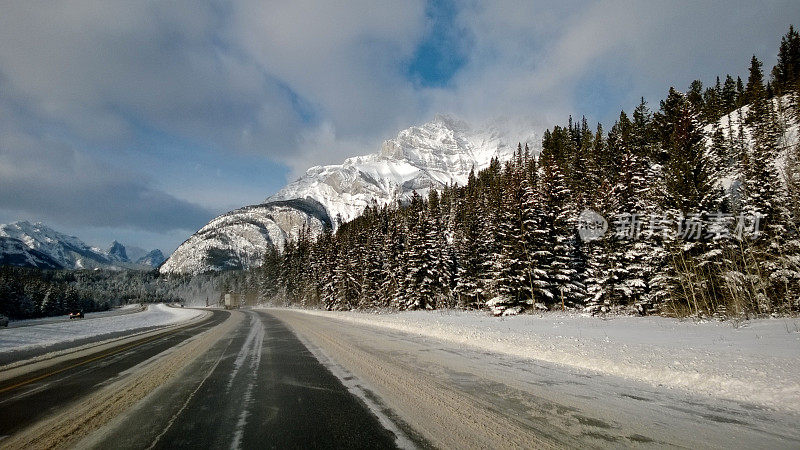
x=28, y=293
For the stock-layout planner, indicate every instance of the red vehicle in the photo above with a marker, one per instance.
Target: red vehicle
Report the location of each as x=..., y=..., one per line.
x=76, y=315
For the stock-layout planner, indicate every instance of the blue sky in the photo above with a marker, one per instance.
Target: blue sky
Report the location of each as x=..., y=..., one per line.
x=442, y=51
x=140, y=121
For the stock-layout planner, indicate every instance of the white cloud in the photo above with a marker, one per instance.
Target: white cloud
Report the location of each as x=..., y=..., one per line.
x=532, y=57
x=311, y=82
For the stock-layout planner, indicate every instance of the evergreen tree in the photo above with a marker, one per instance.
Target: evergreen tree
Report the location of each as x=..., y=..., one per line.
x=728, y=99
x=787, y=70
x=695, y=95
x=688, y=177
x=558, y=219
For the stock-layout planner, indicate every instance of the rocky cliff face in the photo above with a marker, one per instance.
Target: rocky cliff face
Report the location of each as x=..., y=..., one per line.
x=420, y=158
x=239, y=239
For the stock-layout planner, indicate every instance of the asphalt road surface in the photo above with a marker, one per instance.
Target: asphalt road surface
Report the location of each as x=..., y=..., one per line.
x=37, y=394
x=258, y=388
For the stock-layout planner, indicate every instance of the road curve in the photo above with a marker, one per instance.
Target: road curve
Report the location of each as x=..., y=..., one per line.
x=57, y=336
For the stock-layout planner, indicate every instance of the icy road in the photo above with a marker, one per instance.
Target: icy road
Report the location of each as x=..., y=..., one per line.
x=292, y=379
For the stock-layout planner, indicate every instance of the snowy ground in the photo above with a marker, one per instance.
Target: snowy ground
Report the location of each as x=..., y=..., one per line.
x=459, y=395
x=126, y=309
x=63, y=332
x=757, y=362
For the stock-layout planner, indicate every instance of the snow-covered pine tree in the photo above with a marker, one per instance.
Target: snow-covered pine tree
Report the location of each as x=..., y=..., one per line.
x=559, y=218
x=467, y=248
x=765, y=195
x=421, y=280
x=690, y=194
x=439, y=255
x=601, y=256
x=347, y=287
x=323, y=263
x=538, y=255
x=791, y=262
x=787, y=71
x=513, y=286
x=633, y=210
x=392, y=251
x=488, y=243
x=372, y=262
x=422, y=265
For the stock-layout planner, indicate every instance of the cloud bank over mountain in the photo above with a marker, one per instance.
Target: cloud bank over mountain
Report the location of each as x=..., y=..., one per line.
x=153, y=116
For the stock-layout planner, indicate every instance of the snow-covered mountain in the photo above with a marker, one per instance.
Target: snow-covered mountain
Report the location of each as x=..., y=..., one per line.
x=420, y=158
x=14, y=252
x=117, y=252
x=153, y=258
x=37, y=245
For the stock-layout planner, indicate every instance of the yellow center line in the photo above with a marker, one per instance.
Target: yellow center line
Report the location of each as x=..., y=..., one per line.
x=94, y=358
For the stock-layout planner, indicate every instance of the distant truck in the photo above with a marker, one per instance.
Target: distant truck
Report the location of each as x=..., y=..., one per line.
x=231, y=301
x=77, y=314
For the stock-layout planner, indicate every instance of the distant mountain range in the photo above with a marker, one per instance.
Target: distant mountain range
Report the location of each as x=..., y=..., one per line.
x=37, y=245
x=420, y=158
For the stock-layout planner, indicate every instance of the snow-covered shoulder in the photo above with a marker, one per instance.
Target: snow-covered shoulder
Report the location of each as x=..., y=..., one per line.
x=45, y=335
x=756, y=362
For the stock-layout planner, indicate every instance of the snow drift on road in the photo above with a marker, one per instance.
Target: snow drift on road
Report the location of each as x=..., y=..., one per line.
x=756, y=362
x=15, y=339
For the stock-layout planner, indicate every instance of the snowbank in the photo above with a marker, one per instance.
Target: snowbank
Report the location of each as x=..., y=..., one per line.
x=757, y=362
x=126, y=309
x=15, y=339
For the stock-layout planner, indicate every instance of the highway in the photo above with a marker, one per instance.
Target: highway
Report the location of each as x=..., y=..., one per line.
x=11, y=353
x=259, y=388
x=286, y=379
x=254, y=385
x=88, y=316
x=26, y=398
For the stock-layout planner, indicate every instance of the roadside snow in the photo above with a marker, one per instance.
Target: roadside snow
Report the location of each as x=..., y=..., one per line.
x=126, y=309
x=23, y=338
x=758, y=362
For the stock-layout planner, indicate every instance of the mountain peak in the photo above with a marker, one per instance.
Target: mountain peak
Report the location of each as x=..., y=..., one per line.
x=117, y=251
x=450, y=122
x=433, y=155
x=37, y=245
x=153, y=258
